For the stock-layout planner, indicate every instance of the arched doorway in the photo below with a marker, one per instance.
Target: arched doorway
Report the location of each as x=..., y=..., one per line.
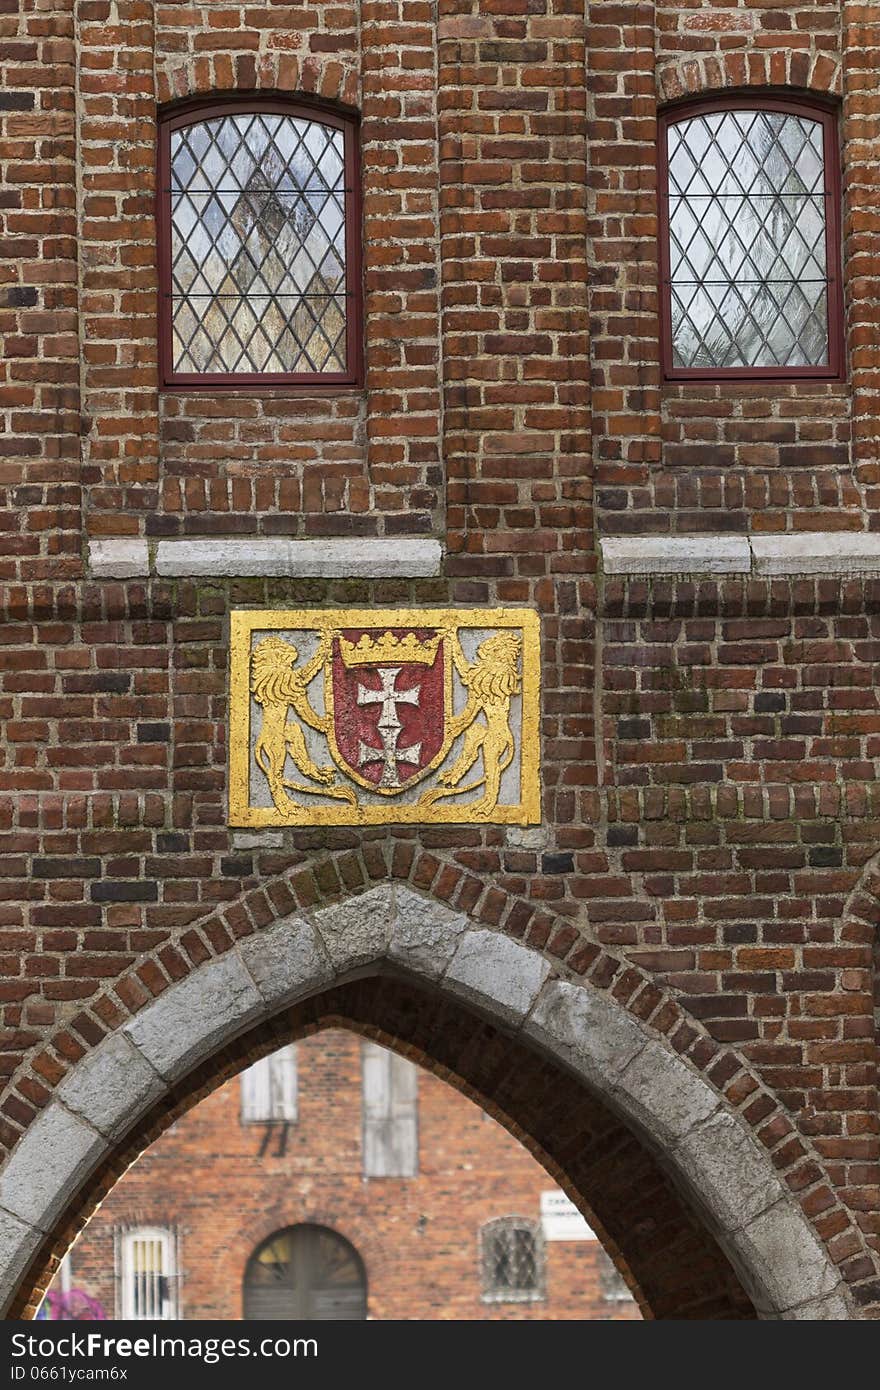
x=307, y=1274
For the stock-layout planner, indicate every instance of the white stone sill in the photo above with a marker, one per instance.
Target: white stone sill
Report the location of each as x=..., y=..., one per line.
x=807, y=553
x=370, y=557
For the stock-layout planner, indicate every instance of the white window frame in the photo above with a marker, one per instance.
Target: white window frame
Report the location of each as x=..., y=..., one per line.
x=269, y=1088
x=161, y=1306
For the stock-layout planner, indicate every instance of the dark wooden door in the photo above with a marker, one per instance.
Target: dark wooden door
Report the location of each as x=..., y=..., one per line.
x=307, y=1274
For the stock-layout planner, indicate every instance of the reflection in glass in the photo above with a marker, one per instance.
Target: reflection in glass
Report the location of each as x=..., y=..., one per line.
x=258, y=246
x=749, y=279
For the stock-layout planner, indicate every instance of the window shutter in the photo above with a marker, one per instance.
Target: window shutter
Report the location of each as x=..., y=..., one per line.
x=390, y=1101
x=255, y=1098
x=376, y=1082
x=283, y=1083
x=269, y=1088
x=404, y=1117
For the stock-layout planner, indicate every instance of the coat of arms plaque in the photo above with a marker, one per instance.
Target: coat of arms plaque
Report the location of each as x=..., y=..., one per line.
x=366, y=716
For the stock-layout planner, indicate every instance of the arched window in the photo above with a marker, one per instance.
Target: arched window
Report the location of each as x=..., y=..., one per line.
x=308, y=1273
x=750, y=239
x=258, y=245
x=511, y=1260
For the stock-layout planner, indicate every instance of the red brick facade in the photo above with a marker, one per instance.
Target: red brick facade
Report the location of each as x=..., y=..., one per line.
x=711, y=820
x=224, y=1187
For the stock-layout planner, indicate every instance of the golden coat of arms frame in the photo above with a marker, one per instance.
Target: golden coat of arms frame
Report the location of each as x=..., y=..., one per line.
x=372, y=716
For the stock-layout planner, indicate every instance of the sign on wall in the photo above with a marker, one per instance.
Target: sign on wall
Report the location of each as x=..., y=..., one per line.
x=560, y=1218
x=366, y=716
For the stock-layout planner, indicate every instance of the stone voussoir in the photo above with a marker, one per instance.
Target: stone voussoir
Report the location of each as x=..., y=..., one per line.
x=196, y=1016
x=112, y=1086
x=58, y=1151
x=490, y=966
x=287, y=961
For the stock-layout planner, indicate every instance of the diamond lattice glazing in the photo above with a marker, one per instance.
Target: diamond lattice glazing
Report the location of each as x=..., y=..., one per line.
x=258, y=279
x=747, y=240
x=511, y=1260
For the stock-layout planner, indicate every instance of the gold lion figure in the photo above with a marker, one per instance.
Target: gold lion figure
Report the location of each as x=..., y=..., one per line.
x=276, y=686
x=491, y=682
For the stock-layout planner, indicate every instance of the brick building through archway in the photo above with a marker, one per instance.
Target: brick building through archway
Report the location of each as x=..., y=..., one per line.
x=448, y=1215
x=581, y=434
x=598, y=1095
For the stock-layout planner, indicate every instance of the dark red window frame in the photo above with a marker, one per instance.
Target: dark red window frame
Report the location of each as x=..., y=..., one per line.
x=816, y=110
x=192, y=113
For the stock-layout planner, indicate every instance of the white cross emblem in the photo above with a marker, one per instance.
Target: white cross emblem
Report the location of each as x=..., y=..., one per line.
x=389, y=726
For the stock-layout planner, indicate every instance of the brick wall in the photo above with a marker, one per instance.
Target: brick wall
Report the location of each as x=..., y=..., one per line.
x=225, y=1187
x=740, y=839
x=709, y=749
x=40, y=521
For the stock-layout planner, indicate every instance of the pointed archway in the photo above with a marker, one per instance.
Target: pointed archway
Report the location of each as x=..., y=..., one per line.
x=668, y=1170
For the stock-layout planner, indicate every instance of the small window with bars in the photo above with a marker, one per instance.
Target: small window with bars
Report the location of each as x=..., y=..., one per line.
x=750, y=239
x=512, y=1260
x=258, y=246
x=147, y=1274
x=269, y=1088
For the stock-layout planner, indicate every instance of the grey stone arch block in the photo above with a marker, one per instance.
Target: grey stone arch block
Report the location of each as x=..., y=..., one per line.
x=707, y=1150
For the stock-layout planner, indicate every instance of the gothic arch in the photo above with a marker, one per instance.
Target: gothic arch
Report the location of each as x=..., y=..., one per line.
x=391, y=953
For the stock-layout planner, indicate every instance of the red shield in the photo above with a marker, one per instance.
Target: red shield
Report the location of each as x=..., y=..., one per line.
x=389, y=694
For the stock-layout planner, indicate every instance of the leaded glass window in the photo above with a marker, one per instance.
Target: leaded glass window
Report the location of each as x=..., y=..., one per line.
x=258, y=274
x=512, y=1260
x=611, y=1282
x=751, y=283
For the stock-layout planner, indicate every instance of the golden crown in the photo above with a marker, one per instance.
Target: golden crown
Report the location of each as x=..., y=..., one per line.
x=389, y=650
